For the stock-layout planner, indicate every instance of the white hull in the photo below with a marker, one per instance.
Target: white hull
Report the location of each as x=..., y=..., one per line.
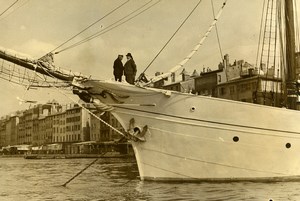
x=192, y=137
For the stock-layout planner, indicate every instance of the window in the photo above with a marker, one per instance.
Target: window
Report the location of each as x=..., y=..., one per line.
x=222, y=91
x=245, y=87
x=231, y=88
x=219, y=78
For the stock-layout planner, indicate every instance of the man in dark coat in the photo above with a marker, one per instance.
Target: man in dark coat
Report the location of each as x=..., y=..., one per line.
x=118, y=68
x=130, y=69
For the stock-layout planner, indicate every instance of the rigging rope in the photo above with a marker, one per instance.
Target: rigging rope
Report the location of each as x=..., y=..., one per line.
x=189, y=56
x=281, y=53
x=91, y=25
x=275, y=55
x=260, y=32
x=107, y=29
x=14, y=10
x=297, y=27
x=283, y=57
x=91, y=113
x=171, y=37
x=24, y=78
x=217, y=32
x=9, y=7
x=270, y=40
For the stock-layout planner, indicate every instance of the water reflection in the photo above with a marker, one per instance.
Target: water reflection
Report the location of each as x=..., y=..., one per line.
x=117, y=179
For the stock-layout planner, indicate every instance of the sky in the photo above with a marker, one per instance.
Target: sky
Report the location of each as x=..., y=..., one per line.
x=36, y=27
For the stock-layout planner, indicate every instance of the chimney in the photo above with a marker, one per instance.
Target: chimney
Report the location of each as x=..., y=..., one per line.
x=157, y=73
x=185, y=75
x=226, y=60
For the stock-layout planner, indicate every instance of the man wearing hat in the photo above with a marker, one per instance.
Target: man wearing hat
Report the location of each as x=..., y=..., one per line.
x=118, y=68
x=130, y=69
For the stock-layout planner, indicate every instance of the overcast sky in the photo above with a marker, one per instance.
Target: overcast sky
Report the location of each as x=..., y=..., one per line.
x=35, y=27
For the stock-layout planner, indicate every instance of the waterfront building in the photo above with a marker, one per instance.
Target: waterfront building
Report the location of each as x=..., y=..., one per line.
x=52, y=128
x=95, y=133
x=186, y=84
x=173, y=86
x=11, y=130
x=21, y=129
x=36, y=132
x=247, y=83
x=77, y=125
x=254, y=89
x=25, y=129
x=240, y=81
x=47, y=137
x=207, y=82
x=113, y=135
x=29, y=131
x=59, y=127
x=29, y=115
x=3, y=132
x=104, y=129
x=159, y=84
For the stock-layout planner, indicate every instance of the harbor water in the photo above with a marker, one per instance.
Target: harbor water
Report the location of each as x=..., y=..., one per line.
x=117, y=179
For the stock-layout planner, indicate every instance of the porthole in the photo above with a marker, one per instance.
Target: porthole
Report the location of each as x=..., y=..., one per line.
x=193, y=109
x=288, y=145
x=235, y=139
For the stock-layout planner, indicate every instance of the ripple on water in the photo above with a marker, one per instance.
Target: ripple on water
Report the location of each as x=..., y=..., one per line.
x=116, y=179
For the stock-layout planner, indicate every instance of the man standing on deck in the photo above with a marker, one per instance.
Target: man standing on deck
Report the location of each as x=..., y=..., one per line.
x=118, y=68
x=130, y=69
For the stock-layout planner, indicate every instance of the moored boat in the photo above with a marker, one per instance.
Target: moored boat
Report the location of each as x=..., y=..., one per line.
x=180, y=136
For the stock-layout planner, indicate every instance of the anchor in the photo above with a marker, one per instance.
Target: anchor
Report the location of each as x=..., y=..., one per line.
x=136, y=133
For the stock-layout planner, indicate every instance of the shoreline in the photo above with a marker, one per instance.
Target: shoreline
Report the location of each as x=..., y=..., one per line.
x=68, y=156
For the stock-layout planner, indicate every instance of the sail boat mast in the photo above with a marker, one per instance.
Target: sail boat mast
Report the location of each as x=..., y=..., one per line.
x=290, y=55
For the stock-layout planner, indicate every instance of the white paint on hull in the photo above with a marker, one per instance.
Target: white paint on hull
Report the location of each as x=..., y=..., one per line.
x=191, y=137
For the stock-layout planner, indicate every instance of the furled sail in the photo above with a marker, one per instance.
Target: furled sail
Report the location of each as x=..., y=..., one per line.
x=49, y=74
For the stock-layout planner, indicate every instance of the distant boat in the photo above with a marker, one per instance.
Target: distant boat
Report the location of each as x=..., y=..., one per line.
x=179, y=136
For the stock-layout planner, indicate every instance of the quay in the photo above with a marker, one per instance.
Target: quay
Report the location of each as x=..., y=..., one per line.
x=72, y=156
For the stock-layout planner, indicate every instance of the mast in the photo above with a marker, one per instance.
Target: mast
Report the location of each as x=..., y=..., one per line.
x=290, y=55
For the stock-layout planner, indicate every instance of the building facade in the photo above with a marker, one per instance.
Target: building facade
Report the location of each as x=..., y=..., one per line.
x=255, y=89
x=55, y=126
x=239, y=81
x=207, y=82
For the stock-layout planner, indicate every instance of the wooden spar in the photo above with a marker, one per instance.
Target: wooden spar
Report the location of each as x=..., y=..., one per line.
x=34, y=67
x=290, y=55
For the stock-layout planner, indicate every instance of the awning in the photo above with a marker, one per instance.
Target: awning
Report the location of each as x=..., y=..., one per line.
x=54, y=146
x=86, y=143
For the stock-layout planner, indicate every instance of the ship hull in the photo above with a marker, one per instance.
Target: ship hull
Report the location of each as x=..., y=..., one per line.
x=192, y=137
